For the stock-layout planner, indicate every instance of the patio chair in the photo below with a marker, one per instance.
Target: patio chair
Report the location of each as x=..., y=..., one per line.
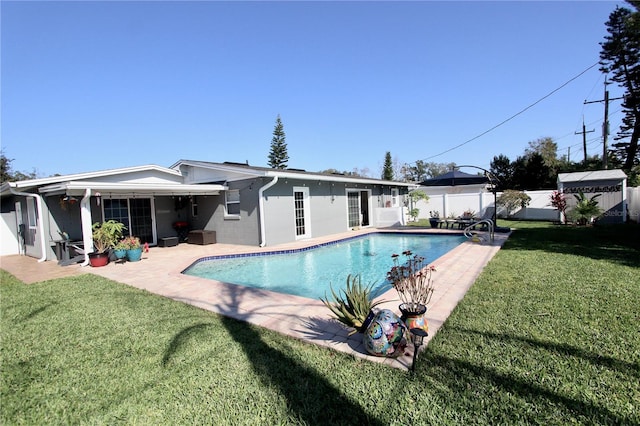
x=78, y=253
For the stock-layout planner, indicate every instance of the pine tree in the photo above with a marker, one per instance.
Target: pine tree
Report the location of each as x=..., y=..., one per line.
x=620, y=55
x=278, y=156
x=387, y=170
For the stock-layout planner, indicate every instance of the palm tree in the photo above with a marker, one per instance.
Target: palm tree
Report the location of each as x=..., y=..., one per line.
x=586, y=209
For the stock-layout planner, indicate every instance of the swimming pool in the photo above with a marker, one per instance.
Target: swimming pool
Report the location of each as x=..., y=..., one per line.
x=308, y=272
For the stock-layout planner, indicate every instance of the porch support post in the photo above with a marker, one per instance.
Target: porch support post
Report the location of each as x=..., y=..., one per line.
x=85, y=219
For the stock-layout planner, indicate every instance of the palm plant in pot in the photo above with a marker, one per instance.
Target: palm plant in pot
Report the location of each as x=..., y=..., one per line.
x=105, y=236
x=412, y=280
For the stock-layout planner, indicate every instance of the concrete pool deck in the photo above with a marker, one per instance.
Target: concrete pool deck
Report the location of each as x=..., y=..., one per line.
x=159, y=272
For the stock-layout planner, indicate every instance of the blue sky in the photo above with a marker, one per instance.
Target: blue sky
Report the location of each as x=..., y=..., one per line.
x=98, y=85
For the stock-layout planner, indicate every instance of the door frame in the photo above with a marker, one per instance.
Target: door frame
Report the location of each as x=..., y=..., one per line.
x=306, y=212
x=366, y=207
x=154, y=230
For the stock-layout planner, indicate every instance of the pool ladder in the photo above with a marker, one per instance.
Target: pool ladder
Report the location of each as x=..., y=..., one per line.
x=474, y=235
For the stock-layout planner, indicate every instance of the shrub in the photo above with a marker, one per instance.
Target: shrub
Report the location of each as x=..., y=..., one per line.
x=511, y=200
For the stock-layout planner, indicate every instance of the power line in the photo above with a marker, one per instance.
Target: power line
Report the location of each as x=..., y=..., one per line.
x=513, y=116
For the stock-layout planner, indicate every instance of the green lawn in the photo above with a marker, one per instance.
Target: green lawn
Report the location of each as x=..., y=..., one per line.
x=549, y=334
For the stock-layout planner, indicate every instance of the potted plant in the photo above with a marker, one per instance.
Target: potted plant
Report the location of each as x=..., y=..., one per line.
x=434, y=218
x=412, y=281
x=105, y=236
x=134, y=248
x=354, y=305
x=120, y=250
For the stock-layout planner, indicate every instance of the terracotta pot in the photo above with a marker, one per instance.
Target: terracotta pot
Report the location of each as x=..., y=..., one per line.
x=98, y=259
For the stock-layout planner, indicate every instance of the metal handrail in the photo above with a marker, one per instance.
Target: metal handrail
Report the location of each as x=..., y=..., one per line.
x=489, y=222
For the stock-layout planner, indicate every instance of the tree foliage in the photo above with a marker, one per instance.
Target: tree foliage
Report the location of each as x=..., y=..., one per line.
x=422, y=170
x=511, y=200
x=547, y=149
x=8, y=175
x=278, y=156
x=537, y=168
x=620, y=56
x=387, y=169
x=502, y=169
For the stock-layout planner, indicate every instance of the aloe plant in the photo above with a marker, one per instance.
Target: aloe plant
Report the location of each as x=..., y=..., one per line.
x=352, y=306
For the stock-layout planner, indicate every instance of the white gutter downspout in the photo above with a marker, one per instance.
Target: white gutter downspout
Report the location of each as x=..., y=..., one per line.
x=263, y=236
x=38, y=199
x=85, y=220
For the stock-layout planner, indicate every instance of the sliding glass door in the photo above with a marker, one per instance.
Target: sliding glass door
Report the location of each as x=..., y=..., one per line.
x=136, y=214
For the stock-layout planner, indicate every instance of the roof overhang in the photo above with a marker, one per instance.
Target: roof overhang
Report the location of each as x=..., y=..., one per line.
x=595, y=175
x=106, y=188
x=232, y=172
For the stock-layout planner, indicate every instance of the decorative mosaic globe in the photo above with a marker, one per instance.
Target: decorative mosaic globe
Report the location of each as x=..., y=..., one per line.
x=385, y=335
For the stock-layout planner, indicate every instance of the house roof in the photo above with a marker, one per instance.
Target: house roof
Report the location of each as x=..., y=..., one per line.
x=170, y=181
x=160, y=180
x=615, y=174
x=242, y=171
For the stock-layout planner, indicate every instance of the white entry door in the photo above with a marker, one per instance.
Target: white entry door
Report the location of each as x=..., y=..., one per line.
x=301, y=212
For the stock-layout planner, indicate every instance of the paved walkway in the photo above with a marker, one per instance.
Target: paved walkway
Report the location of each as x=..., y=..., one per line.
x=160, y=269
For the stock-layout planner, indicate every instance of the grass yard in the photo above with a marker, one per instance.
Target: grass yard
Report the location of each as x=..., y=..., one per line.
x=549, y=334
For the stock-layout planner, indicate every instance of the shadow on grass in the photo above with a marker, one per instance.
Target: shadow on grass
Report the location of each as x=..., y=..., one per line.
x=311, y=398
x=615, y=243
x=563, y=349
x=180, y=339
x=459, y=374
x=38, y=311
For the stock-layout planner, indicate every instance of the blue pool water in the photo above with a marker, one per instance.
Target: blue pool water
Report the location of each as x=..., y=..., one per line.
x=308, y=273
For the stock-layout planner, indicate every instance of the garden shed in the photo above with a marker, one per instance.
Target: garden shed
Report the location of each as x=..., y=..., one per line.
x=610, y=185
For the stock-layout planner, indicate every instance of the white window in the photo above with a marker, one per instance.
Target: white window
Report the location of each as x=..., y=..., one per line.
x=194, y=206
x=232, y=200
x=394, y=197
x=31, y=212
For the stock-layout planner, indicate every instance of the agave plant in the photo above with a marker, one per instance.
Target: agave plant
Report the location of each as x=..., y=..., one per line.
x=352, y=306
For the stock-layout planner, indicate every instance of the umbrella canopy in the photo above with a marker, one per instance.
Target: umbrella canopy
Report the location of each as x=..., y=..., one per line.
x=455, y=178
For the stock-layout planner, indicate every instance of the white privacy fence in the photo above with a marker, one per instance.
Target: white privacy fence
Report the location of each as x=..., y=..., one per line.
x=539, y=208
x=633, y=203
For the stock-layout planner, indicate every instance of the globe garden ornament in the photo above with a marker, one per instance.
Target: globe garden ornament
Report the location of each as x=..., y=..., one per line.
x=385, y=335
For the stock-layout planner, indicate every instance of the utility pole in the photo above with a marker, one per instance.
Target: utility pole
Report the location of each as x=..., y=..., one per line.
x=605, y=124
x=584, y=140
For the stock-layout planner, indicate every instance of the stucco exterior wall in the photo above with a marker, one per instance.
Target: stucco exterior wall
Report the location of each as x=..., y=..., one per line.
x=8, y=228
x=328, y=212
x=243, y=230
